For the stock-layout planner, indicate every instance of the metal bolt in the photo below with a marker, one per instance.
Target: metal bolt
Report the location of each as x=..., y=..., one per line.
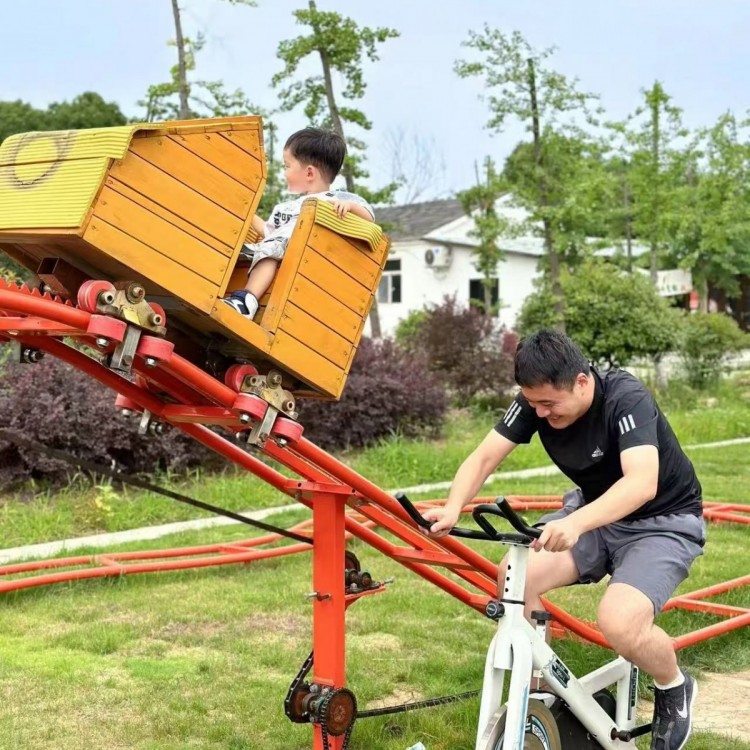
x=244, y=418
x=273, y=379
x=102, y=342
x=156, y=319
x=106, y=298
x=150, y=362
x=318, y=596
x=126, y=412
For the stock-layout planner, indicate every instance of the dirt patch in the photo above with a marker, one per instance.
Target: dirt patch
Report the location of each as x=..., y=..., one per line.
x=720, y=707
x=396, y=698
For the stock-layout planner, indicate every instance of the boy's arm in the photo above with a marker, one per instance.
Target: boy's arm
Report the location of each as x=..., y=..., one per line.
x=359, y=210
x=259, y=225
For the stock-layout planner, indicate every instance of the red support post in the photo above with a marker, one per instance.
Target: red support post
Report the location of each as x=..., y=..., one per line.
x=329, y=608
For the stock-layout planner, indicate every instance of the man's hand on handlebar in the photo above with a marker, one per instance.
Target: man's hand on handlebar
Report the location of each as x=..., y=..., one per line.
x=558, y=536
x=444, y=520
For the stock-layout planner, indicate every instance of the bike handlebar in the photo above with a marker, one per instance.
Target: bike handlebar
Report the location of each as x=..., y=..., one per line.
x=501, y=507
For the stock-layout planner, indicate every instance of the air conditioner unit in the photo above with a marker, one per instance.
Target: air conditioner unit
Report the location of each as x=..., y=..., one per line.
x=438, y=257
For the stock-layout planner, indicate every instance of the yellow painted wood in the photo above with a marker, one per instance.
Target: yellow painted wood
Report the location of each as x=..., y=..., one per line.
x=164, y=238
x=249, y=140
x=180, y=199
x=296, y=322
x=307, y=364
x=195, y=172
x=169, y=216
x=224, y=155
x=350, y=258
x=340, y=285
x=325, y=308
x=161, y=270
x=349, y=226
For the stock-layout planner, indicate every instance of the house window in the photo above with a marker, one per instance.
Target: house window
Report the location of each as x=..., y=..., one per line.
x=476, y=292
x=390, y=283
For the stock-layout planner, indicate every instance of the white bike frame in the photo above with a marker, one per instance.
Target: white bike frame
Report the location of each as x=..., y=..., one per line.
x=519, y=647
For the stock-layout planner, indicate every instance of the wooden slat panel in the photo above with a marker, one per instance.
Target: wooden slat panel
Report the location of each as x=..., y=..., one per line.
x=167, y=215
x=145, y=260
x=307, y=364
x=193, y=171
x=180, y=199
x=345, y=255
x=159, y=234
x=224, y=155
x=317, y=336
x=247, y=140
x=325, y=308
x=340, y=285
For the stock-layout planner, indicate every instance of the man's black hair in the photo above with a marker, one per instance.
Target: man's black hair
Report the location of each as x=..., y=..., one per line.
x=549, y=357
x=321, y=148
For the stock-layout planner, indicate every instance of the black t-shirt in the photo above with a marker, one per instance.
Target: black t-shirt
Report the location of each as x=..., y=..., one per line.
x=623, y=415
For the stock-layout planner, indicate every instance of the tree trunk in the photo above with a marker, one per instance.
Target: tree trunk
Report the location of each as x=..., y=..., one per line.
x=338, y=127
x=549, y=243
x=743, y=314
x=181, y=67
x=703, y=296
x=628, y=227
x=655, y=140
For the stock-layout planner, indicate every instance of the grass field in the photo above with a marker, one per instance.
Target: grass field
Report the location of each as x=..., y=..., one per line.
x=202, y=659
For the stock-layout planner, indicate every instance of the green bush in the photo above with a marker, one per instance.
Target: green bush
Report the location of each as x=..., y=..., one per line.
x=613, y=316
x=707, y=340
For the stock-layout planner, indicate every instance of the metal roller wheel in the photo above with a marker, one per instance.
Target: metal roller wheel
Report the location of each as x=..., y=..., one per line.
x=541, y=730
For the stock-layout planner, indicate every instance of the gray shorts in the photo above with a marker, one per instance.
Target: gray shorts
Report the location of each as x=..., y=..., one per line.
x=273, y=247
x=652, y=555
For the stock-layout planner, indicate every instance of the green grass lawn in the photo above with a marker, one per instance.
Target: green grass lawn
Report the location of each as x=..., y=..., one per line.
x=202, y=659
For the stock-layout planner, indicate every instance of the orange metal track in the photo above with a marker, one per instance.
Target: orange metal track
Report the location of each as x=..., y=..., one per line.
x=179, y=393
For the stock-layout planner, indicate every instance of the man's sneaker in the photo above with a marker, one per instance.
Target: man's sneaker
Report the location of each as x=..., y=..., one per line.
x=673, y=715
x=243, y=302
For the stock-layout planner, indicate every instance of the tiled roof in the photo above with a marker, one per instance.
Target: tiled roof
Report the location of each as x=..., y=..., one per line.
x=417, y=219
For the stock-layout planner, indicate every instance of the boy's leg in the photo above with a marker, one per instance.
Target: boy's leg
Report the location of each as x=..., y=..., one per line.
x=260, y=277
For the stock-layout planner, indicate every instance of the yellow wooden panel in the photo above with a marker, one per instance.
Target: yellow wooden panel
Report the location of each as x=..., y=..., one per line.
x=50, y=194
x=317, y=336
x=325, y=308
x=348, y=257
x=165, y=238
x=340, y=285
x=193, y=171
x=167, y=215
x=180, y=199
x=307, y=364
x=224, y=155
x=173, y=277
x=241, y=327
x=248, y=140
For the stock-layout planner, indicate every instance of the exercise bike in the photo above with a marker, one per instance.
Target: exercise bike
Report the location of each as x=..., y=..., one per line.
x=575, y=714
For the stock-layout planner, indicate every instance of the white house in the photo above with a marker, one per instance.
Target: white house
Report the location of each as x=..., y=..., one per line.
x=432, y=256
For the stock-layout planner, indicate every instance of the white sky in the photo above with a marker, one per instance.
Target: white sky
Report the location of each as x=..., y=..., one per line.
x=51, y=50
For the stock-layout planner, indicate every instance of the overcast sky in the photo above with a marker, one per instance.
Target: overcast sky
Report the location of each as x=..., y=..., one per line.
x=52, y=50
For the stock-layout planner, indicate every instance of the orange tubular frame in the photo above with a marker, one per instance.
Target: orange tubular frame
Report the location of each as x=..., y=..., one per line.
x=343, y=503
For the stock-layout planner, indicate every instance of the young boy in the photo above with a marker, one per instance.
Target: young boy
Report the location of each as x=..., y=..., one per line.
x=312, y=159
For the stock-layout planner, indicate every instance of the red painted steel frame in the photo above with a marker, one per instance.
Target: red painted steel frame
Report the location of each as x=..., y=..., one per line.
x=177, y=388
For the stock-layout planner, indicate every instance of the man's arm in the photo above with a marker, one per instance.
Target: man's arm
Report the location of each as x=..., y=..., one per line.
x=638, y=485
x=470, y=477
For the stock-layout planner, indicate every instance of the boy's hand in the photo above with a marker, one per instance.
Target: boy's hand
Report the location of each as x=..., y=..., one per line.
x=342, y=208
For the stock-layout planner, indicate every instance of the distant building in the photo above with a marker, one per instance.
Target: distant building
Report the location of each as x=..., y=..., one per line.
x=432, y=256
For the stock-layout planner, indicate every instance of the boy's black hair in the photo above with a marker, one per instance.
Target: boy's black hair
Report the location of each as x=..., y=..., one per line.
x=321, y=148
x=549, y=357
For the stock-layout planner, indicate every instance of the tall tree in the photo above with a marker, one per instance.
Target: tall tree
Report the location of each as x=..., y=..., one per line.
x=480, y=202
x=181, y=97
x=655, y=148
x=712, y=236
x=341, y=47
x=524, y=89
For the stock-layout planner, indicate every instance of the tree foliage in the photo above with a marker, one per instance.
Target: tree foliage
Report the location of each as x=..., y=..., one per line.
x=341, y=46
x=615, y=317
x=707, y=341
x=524, y=89
x=87, y=110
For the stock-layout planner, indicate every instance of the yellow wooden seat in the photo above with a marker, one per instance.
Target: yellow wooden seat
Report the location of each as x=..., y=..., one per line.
x=169, y=205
